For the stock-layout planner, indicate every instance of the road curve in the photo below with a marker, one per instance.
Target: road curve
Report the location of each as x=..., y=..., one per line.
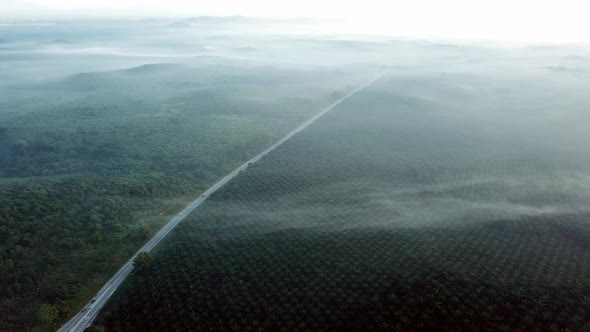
x=84, y=317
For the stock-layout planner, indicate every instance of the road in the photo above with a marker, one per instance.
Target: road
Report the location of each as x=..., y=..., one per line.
x=84, y=317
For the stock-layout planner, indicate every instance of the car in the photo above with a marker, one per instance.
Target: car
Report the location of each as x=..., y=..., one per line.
x=93, y=300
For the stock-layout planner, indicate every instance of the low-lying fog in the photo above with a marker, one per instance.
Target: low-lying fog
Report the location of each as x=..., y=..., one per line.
x=505, y=99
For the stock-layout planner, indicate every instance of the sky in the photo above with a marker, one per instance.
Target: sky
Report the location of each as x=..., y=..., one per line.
x=532, y=20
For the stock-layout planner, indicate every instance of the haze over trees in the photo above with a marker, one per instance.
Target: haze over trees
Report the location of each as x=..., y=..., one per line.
x=451, y=193
x=401, y=209
x=93, y=163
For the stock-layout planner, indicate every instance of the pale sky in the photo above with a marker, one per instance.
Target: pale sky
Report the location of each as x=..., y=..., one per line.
x=535, y=20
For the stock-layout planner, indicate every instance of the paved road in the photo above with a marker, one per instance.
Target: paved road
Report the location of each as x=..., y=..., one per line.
x=84, y=318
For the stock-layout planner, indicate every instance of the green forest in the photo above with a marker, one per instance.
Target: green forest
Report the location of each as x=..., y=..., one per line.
x=94, y=164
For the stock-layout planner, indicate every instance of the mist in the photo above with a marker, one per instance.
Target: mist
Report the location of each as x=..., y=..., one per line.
x=500, y=103
x=439, y=151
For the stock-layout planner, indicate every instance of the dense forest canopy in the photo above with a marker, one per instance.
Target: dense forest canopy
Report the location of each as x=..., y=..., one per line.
x=93, y=173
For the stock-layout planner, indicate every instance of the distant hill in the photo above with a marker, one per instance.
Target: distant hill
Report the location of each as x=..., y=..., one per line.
x=179, y=25
x=57, y=42
x=245, y=49
x=152, y=68
x=112, y=80
x=225, y=19
x=247, y=19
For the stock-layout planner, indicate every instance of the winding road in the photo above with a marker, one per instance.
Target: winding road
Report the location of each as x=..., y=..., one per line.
x=84, y=317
